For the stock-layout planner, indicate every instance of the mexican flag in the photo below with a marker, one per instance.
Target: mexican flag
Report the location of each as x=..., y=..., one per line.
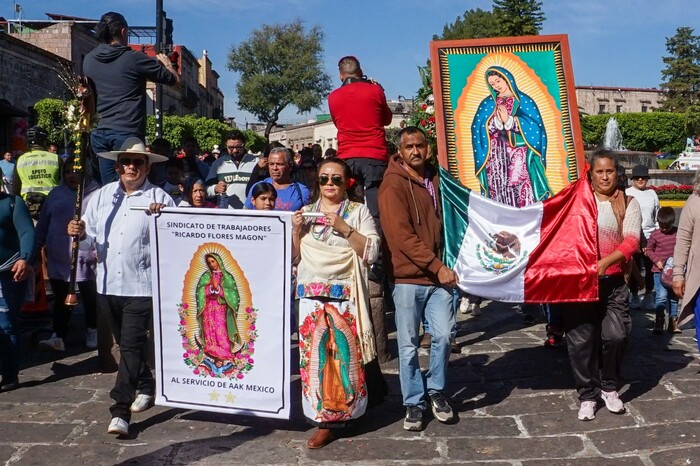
x=542, y=253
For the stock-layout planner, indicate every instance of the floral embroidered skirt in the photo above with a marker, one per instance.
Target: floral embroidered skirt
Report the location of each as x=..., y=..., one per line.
x=330, y=363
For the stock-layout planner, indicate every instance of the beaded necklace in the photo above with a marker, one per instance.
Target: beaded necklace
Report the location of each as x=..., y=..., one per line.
x=326, y=230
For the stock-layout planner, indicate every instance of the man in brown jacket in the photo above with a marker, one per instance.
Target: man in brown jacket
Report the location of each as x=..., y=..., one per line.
x=410, y=214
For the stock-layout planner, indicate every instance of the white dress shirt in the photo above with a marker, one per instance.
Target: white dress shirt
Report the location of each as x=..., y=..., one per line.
x=121, y=237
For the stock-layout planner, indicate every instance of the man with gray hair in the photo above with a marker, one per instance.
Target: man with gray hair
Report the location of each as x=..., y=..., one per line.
x=120, y=235
x=291, y=195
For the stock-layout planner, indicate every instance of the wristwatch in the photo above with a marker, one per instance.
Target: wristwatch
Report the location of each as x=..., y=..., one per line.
x=350, y=231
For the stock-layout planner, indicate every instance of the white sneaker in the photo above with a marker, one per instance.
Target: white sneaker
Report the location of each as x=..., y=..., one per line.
x=475, y=309
x=52, y=344
x=118, y=426
x=141, y=403
x=612, y=402
x=587, y=411
x=464, y=306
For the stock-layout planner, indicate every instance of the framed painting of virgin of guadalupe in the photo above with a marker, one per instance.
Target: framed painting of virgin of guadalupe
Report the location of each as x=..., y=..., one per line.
x=506, y=116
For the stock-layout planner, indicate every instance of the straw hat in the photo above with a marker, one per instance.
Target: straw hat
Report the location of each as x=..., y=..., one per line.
x=134, y=145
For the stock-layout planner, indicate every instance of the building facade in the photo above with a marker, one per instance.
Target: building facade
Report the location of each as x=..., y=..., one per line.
x=316, y=132
x=28, y=75
x=596, y=100
x=36, y=51
x=199, y=92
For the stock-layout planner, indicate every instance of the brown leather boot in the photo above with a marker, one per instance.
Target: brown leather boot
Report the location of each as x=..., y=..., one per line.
x=659, y=325
x=673, y=325
x=320, y=439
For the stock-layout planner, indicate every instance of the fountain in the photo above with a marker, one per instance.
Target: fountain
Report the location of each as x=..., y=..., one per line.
x=613, y=137
x=627, y=158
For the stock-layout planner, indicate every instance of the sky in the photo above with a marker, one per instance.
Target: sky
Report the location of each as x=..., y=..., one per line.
x=613, y=42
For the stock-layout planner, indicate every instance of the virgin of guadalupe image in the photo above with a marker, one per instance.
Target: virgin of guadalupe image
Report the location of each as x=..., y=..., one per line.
x=337, y=393
x=510, y=143
x=217, y=309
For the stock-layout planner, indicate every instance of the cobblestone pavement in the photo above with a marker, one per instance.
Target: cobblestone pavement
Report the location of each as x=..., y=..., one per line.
x=515, y=402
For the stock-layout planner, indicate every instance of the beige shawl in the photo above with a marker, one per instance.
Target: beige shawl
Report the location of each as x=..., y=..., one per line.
x=342, y=263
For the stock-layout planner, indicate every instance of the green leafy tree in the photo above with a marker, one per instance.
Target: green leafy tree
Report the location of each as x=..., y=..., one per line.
x=206, y=131
x=681, y=76
x=280, y=65
x=254, y=141
x=652, y=132
x=518, y=17
x=52, y=117
x=474, y=24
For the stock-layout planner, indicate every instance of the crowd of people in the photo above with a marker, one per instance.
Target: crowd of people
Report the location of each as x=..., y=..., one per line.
x=359, y=214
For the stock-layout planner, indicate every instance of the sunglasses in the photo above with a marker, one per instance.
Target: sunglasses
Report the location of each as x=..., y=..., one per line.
x=640, y=178
x=335, y=179
x=235, y=147
x=126, y=161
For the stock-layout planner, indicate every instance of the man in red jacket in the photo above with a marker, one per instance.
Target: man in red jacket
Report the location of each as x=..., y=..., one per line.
x=360, y=113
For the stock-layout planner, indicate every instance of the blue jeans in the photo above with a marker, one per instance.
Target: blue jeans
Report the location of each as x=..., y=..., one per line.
x=10, y=306
x=455, y=305
x=105, y=140
x=412, y=303
x=665, y=301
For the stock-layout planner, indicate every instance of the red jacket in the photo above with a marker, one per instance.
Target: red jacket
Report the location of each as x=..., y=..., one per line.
x=360, y=113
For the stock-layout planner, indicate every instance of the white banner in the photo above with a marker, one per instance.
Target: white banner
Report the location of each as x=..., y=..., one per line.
x=221, y=298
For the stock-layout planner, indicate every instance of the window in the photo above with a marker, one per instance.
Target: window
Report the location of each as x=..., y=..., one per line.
x=601, y=108
x=645, y=108
x=618, y=108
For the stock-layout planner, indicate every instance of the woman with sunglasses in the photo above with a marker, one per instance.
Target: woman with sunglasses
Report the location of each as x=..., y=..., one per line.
x=334, y=241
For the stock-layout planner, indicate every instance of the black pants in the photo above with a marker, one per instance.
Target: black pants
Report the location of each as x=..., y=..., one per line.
x=369, y=174
x=596, y=336
x=63, y=313
x=131, y=319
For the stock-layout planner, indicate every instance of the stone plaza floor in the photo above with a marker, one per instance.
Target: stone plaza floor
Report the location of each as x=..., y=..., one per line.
x=514, y=398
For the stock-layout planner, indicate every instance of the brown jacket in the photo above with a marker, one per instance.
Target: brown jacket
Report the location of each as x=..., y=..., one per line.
x=411, y=225
x=686, y=260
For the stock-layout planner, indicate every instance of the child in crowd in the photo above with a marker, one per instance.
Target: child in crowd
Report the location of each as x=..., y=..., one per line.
x=264, y=196
x=174, y=174
x=51, y=233
x=659, y=249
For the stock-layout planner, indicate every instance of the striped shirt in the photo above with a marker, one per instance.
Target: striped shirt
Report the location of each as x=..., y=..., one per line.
x=660, y=246
x=609, y=237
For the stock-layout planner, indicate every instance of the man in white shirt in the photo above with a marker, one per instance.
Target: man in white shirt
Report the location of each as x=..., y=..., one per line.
x=121, y=238
x=649, y=206
x=229, y=175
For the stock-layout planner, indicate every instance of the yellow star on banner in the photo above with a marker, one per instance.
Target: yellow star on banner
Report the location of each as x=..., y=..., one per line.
x=213, y=396
x=230, y=398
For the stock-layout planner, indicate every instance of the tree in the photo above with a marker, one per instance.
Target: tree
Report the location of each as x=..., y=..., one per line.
x=53, y=118
x=682, y=74
x=474, y=24
x=280, y=65
x=518, y=17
